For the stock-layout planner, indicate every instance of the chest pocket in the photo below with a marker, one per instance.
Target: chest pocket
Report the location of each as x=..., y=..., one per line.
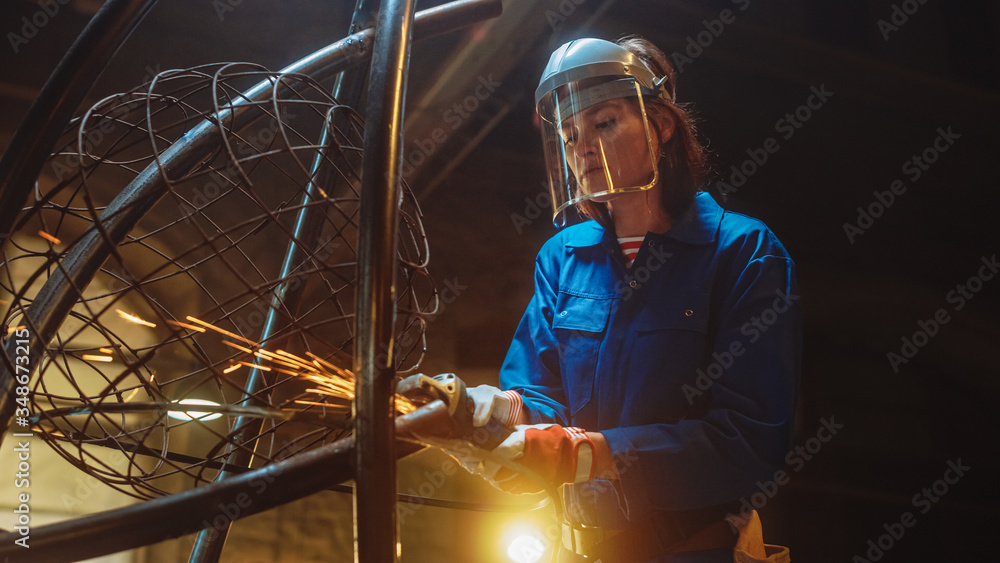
x=668, y=348
x=579, y=324
x=689, y=312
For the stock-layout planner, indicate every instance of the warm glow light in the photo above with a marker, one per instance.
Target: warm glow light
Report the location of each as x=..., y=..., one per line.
x=526, y=549
x=194, y=415
x=231, y=368
x=106, y=350
x=134, y=319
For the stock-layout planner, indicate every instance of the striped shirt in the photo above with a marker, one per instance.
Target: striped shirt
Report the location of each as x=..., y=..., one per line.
x=630, y=248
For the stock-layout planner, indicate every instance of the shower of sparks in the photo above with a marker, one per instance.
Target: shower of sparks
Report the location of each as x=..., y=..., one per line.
x=49, y=237
x=329, y=379
x=134, y=319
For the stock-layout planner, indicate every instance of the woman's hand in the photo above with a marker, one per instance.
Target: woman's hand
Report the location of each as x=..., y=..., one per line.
x=552, y=454
x=488, y=401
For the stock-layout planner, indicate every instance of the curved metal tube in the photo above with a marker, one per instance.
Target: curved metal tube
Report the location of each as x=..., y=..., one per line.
x=61, y=95
x=375, y=523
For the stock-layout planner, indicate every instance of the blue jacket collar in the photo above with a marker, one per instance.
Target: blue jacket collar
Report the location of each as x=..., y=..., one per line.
x=699, y=224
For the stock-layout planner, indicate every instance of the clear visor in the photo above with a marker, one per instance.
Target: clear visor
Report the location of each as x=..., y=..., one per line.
x=597, y=142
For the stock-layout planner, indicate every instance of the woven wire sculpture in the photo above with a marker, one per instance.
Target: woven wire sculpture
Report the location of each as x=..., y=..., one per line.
x=144, y=380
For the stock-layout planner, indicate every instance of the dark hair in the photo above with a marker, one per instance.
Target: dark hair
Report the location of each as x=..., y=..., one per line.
x=683, y=164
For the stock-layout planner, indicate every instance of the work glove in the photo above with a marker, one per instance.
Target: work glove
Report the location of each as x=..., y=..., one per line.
x=555, y=454
x=504, y=406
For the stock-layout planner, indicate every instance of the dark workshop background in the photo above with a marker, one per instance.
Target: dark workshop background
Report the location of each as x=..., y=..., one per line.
x=897, y=76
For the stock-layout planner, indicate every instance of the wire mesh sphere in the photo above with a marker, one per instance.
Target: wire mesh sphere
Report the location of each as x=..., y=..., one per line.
x=186, y=270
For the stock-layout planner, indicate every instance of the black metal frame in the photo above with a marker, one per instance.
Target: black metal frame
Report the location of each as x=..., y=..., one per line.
x=216, y=504
x=309, y=472
x=376, y=529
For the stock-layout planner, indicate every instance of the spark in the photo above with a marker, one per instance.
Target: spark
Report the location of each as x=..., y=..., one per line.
x=14, y=329
x=255, y=366
x=96, y=358
x=314, y=403
x=106, y=350
x=238, y=347
x=187, y=326
x=134, y=319
x=231, y=368
x=49, y=237
x=221, y=330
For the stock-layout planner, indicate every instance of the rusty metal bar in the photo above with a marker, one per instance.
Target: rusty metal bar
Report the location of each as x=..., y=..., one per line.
x=375, y=524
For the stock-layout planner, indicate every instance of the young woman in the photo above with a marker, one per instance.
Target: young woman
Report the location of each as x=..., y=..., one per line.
x=655, y=369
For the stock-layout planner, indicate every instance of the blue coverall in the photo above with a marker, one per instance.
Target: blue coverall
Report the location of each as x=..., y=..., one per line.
x=688, y=362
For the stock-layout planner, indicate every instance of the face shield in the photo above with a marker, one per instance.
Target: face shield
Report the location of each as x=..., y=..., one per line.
x=597, y=143
x=596, y=138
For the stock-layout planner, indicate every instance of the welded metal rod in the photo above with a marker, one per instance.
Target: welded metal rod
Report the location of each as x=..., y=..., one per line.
x=287, y=296
x=52, y=304
x=58, y=99
x=215, y=504
x=376, y=528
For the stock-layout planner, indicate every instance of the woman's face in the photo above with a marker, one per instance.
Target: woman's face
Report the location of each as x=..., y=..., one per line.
x=606, y=148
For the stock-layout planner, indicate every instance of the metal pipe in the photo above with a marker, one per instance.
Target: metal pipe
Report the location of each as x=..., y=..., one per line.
x=50, y=306
x=308, y=225
x=376, y=527
x=215, y=504
x=58, y=99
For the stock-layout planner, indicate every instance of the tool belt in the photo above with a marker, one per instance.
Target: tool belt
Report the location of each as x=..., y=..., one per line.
x=659, y=534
